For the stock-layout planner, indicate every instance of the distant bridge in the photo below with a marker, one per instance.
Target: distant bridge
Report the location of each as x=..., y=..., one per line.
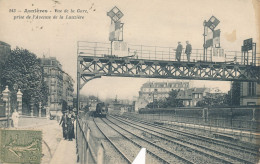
x=95, y=60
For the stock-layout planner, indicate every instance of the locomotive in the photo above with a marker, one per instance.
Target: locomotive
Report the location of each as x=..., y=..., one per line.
x=101, y=110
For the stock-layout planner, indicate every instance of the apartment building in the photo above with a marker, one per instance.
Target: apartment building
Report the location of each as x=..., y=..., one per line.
x=60, y=84
x=249, y=93
x=151, y=91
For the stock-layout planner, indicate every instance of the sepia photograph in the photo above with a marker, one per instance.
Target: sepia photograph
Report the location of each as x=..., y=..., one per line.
x=138, y=82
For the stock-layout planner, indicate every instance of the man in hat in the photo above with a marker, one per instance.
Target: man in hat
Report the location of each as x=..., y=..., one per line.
x=178, y=51
x=188, y=50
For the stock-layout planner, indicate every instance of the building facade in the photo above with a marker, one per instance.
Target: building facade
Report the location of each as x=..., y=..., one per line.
x=60, y=84
x=68, y=84
x=151, y=91
x=249, y=93
x=192, y=96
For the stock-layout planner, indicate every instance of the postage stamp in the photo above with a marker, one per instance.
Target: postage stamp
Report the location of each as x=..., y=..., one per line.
x=20, y=146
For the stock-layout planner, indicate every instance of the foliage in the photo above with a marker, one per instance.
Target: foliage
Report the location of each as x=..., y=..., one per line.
x=214, y=100
x=3, y=57
x=157, y=104
x=235, y=93
x=23, y=68
x=170, y=101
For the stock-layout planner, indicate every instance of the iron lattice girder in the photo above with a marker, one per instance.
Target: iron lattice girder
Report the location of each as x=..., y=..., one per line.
x=128, y=67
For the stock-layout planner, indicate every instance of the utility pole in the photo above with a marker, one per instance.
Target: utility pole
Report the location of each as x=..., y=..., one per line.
x=204, y=44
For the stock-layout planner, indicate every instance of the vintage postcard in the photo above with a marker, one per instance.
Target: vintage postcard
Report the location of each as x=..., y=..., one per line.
x=150, y=81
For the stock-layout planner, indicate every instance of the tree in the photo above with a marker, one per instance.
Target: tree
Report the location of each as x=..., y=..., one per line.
x=157, y=104
x=23, y=68
x=235, y=93
x=172, y=100
x=215, y=100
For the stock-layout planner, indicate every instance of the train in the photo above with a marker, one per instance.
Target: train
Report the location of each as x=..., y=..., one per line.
x=101, y=110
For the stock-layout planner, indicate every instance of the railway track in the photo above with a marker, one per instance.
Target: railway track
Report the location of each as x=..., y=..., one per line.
x=218, y=155
x=160, y=153
x=113, y=144
x=228, y=145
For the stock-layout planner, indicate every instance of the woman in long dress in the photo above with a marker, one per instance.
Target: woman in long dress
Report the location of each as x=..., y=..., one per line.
x=15, y=118
x=63, y=121
x=70, y=127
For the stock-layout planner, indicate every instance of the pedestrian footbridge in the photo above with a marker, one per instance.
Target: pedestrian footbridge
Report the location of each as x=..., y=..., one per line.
x=97, y=59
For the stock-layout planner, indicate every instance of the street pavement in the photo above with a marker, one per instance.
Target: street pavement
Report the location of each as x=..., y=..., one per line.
x=55, y=149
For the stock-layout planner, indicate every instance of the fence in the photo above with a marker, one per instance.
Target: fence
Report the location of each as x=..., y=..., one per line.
x=2, y=109
x=225, y=123
x=166, y=53
x=89, y=149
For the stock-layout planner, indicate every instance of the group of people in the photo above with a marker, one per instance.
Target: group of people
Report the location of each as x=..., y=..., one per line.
x=187, y=51
x=67, y=122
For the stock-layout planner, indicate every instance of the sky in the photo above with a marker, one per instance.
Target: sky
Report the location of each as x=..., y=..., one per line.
x=146, y=22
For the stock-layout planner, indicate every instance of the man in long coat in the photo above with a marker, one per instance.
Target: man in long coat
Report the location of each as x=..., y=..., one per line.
x=188, y=50
x=178, y=51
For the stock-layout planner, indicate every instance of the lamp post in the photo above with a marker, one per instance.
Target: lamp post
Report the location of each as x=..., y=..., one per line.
x=6, y=97
x=19, y=101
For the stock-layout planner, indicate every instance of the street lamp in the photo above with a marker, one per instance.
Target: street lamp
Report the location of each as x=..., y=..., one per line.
x=6, y=97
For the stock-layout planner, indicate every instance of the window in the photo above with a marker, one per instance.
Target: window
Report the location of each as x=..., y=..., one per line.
x=196, y=95
x=251, y=103
x=251, y=88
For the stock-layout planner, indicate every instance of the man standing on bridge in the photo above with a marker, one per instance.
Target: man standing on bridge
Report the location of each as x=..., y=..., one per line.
x=188, y=50
x=178, y=51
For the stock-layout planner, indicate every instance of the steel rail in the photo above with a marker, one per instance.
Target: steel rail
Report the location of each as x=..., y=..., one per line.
x=202, y=138
x=190, y=143
x=112, y=143
x=140, y=146
x=158, y=147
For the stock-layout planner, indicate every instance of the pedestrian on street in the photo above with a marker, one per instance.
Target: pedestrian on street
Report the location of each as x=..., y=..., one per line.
x=70, y=125
x=63, y=121
x=188, y=50
x=15, y=118
x=178, y=51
